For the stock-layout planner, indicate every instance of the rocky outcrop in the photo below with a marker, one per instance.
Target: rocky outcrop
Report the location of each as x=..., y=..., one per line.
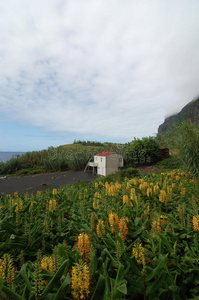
x=189, y=112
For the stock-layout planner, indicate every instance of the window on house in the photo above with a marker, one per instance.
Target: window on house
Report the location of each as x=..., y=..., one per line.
x=101, y=159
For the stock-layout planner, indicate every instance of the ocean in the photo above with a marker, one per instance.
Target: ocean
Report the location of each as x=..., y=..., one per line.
x=4, y=156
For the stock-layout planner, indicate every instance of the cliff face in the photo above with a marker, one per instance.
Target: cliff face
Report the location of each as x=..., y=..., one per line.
x=189, y=112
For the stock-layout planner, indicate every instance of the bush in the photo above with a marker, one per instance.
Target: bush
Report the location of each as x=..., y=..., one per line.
x=120, y=175
x=128, y=172
x=55, y=165
x=185, y=143
x=170, y=163
x=11, y=166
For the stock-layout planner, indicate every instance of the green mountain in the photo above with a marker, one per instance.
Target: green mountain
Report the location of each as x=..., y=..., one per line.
x=189, y=112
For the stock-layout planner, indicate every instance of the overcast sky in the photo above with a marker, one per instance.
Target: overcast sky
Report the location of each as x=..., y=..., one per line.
x=104, y=70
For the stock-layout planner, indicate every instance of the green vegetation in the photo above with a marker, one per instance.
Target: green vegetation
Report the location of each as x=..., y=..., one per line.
x=63, y=158
x=183, y=143
x=143, y=151
x=75, y=156
x=132, y=238
x=170, y=163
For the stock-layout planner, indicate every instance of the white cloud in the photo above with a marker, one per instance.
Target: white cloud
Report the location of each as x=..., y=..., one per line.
x=102, y=68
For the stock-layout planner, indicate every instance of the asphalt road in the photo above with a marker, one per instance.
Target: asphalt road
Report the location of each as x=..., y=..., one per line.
x=32, y=184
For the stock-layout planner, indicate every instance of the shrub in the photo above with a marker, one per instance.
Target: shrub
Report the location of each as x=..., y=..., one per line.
x=128, y=172
x=170, y=163
x=185, y=143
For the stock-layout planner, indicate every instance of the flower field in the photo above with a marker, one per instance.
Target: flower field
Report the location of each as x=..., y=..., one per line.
x=135, y=238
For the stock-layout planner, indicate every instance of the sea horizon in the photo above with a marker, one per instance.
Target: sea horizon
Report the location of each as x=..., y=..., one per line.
x=6, y=155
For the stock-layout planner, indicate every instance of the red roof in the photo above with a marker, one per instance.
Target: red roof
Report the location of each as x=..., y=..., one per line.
x=105, y=153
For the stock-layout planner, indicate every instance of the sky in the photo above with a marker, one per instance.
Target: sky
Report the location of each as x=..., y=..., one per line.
x=99, y=70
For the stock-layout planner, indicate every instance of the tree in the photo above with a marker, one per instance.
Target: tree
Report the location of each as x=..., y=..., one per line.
x=144, y=150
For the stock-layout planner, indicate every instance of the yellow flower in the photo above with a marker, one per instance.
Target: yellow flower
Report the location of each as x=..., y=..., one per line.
x=139, y=252
x=96, y=200
x=155, y=189
x=195, y=222
x=169, y=190
x=183, y=191
x=38, y=193
x=126, y=200
x=143, y=186
x=7, y=271
x=172, y=174
x=83, y=244
x=133, y=196
x=54, y=192
x=162, y=196
x=156, y=226
x=19, y=204
x=149, y=192
x=128, y=186
x=52, y=205
x=113, y=218
x=146, y=211
x=101, y=228
x=123, y=229
x=134, y=180
x=163, y=220
x=47, y=263
x=80, y=281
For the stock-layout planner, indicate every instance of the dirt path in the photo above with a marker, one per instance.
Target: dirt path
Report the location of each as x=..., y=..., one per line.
x=32, y=184
x=149, y=169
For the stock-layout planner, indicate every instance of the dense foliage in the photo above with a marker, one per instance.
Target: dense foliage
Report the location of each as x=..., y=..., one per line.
x=133, y=238
x=185, y=144
x=76, y=156
x=143, y=150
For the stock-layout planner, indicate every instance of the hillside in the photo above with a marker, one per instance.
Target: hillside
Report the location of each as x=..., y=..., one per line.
x=189, y=112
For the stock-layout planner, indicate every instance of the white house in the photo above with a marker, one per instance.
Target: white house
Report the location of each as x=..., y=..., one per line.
x=106, y=163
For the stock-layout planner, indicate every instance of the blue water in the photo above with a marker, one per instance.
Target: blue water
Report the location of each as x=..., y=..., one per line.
x=4, y=156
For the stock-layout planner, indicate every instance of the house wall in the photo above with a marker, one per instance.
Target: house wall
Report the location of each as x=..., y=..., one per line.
x=113, y=162
x=108, y=164
x=101, y=161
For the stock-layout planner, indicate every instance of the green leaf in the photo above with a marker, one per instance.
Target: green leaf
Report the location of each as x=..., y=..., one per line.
x=166, y=242
x=137, y=220
x=99, y=288
x=119, y=284
x=55, y=278
x=11, y=293
x=94, y=262
x=62, y=290
x=196, y=245
x=115, y=263
x=132, y=264
x=23, y=273
x=1, y=283
x=120, y=276
x=153, y=287
x=163, y=260
x=122, y=289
